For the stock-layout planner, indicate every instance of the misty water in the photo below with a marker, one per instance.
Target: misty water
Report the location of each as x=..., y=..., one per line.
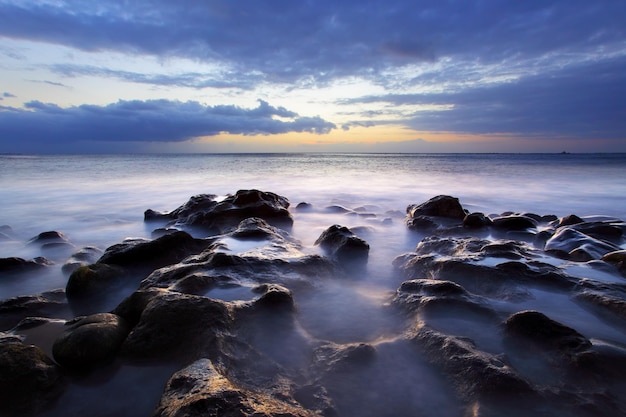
x=99, y=200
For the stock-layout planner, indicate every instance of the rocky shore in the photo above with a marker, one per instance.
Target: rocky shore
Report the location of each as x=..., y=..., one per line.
x=511, y=314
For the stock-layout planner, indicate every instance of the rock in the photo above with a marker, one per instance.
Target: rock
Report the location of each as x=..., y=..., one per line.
x=601, y=231
x=149, y=255
x=207, y=212
x=15, y=265
x=439, y=206
x=569, y=220
x=30, y=382
x=83, y=257
x=200, y=390
x=48, y=304
x=90, y=341
x=340, y=243
x=617, y=258
x=421, y=223
x=169, y=318
x=48, y=237
x=274, y=297
x=92, y=281
x=536, y=328
x=476, y=375
x=476, y=221
x=576, y=246
x=514, y=223
x=304, y=206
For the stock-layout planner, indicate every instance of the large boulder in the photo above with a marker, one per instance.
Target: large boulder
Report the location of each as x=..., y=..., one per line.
x=343, y=245
x=30, y=382
x=90, y=341
x=219, y=215
x=439, y=206
x=177, y=326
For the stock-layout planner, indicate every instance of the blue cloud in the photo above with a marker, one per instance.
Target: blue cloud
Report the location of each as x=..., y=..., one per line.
x=145, y=121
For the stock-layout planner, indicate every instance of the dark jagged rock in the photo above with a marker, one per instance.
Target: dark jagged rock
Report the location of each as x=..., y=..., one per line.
x=331, y=360
x=342, y=244
x=571, y=244
x=440, y=206
x=214, y=215
x=90, y=341
x=200, y=390
x=152, y=254
x=30, y=382
x=274, y=297
x=169, y=318
x=48, y=304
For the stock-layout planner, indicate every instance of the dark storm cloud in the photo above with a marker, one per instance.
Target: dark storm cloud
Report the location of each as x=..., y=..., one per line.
x=565, y=57
x=287, y=40
x=585, y=101
x=149, y=121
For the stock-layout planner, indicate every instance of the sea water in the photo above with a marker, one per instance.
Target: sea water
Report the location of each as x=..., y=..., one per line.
x=99, y=200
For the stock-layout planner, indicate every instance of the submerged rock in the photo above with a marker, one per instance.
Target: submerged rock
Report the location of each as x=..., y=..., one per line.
x=83, y=257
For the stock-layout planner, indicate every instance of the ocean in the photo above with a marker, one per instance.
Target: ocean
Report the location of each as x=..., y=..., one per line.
x=99, y=200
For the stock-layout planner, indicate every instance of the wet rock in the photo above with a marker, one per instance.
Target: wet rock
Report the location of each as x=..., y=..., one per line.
x=514, y=223
x=439, y=206
x=207, y=212
x=611, y=306
x=255, y=228
x=571, y=244
x=331, y=360
x=91, y=281
x=421, y=223
x=83, y=257
x=342, y=244
x=476, y=375
x=152, y=254
x=162, y=231
x=15, y=265
x=90, y=341
x=601, y=231
x=538, y=329
x=569, y=220
x=274, y=297
x=200, y=390
x=476, y=221
x=30, y=382
x=617, y=258
x=48, y=304
x=48, y=237
x=169, y=318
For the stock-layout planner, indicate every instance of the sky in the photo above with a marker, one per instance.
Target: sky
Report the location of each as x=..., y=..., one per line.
x=114, y=76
